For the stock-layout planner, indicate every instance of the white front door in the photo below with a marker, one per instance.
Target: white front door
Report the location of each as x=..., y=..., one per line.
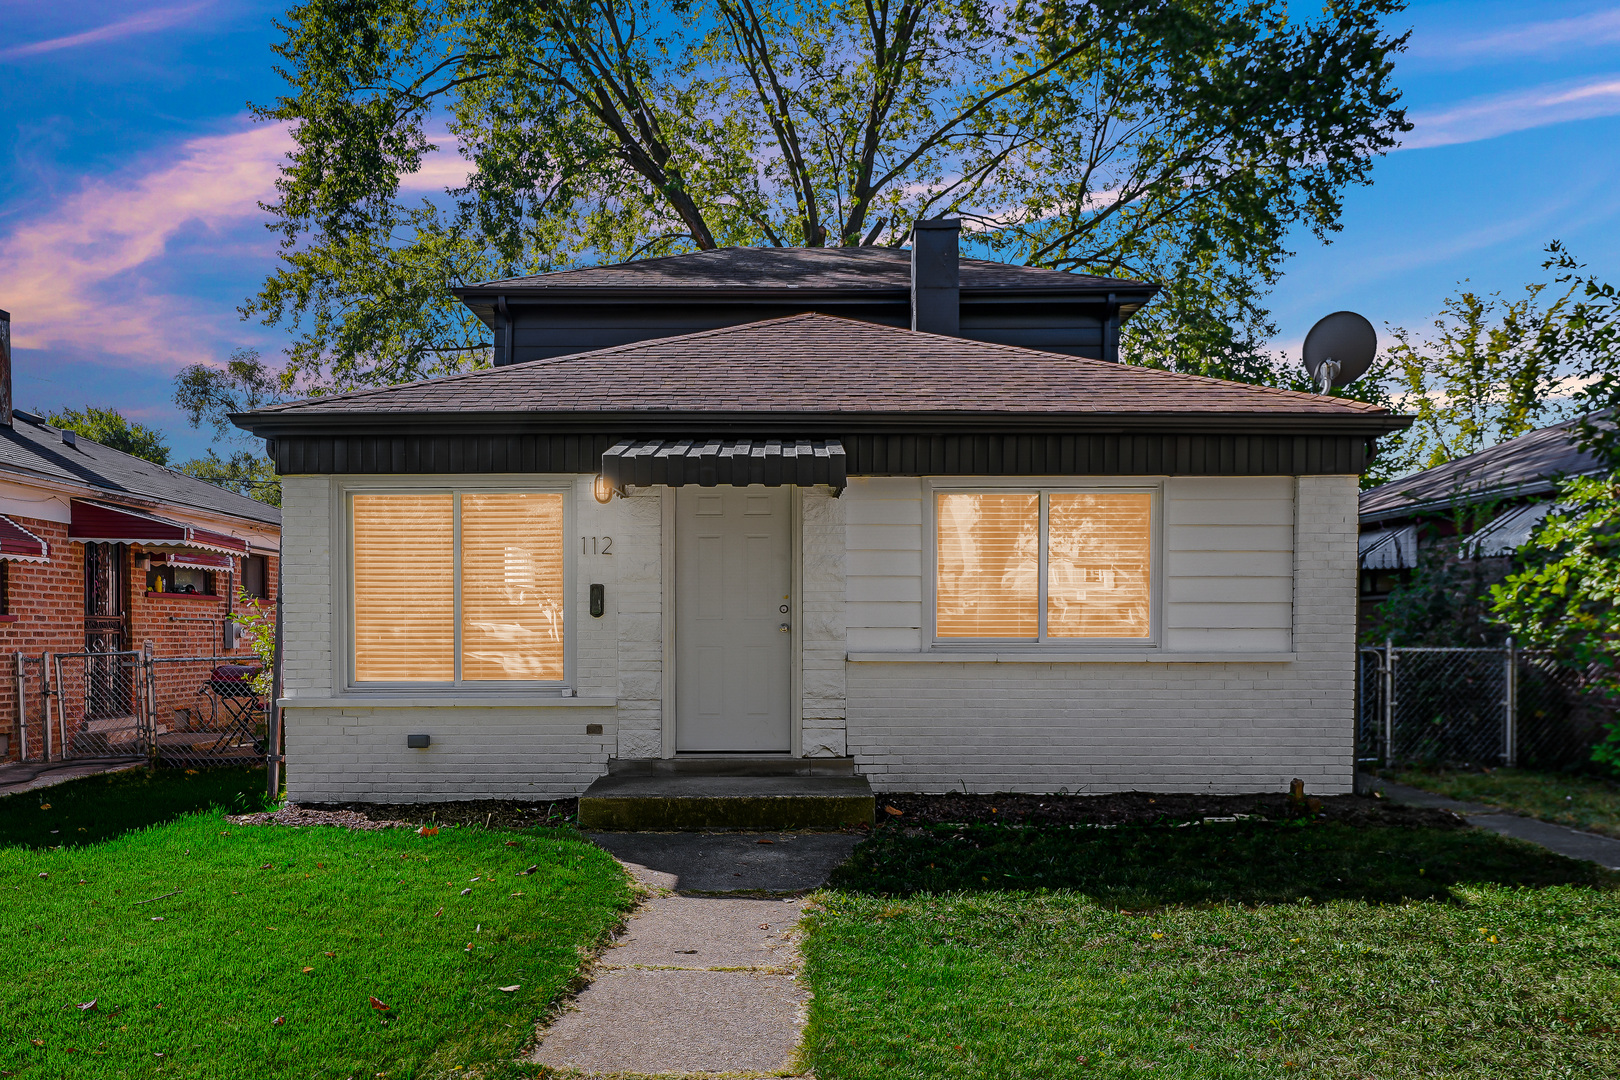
x=733, y=573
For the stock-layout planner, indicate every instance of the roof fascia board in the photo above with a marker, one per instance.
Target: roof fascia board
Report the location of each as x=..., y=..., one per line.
x=539, y=296
x=272, y=425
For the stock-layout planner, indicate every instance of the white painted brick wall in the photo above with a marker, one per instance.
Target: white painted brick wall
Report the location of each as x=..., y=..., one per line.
x=1163, y=726
x=641, y=624
x=359, y=754
x=823, y=620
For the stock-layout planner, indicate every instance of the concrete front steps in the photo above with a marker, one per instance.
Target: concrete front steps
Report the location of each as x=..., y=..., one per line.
x=727, y=792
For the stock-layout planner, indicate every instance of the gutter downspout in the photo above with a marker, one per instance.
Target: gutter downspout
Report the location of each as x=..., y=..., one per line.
x=272, y=734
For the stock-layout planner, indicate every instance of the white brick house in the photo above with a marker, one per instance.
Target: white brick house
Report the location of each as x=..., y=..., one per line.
x=956, y=563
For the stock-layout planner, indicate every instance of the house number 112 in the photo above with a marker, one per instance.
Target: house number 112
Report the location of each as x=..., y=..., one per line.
x=596, y=545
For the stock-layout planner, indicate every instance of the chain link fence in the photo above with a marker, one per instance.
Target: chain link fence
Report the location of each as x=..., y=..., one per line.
x=1473, y=707
x=193, y=711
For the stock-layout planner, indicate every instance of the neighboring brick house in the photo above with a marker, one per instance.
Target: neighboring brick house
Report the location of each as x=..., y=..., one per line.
x=864, y=511
x=102, y=551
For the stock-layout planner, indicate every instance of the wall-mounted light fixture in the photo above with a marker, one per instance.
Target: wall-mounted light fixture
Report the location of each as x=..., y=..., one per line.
x=602, y=489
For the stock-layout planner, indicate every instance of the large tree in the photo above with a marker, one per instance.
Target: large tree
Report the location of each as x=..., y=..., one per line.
x=1172, y=140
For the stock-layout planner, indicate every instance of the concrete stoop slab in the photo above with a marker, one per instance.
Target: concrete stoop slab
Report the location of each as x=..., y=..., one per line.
x=658, y=801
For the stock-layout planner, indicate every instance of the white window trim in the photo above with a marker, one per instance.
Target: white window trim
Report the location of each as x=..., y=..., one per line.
x=343, y=585
x=1043, y=486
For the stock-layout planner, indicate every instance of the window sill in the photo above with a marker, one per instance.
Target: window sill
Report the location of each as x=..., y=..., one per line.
x=1122, y=656
x=182, y=596
x=398, y=700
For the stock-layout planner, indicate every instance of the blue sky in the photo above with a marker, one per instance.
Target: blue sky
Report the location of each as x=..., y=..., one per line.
x=129, y=228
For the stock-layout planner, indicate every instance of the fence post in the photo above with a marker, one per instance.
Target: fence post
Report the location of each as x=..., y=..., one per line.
x=47, y=693
x=1389, y=702
x=1511, y=705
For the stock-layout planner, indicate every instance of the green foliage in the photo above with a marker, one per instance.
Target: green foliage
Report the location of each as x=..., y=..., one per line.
x=261, y=948
x=260, y=628
x=1445, y=601
x=109, y=428
x=1495, y=369
x=244, y=472
x=1171, y=141
x=1567, y=596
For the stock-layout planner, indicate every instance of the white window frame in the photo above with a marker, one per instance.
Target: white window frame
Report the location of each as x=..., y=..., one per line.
x=1044, y=488
x=343, y=573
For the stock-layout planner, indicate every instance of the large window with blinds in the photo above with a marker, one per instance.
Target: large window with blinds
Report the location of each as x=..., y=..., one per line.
x=1043, y=566
x=457, y=587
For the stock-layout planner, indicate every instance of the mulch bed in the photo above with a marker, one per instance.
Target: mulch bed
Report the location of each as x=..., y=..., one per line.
x=489, y=813
x=1149, y=808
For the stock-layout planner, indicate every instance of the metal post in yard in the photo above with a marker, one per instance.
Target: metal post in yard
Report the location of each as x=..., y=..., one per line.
x=45, y=682
x=148, y=703
x=1510, y=694
x=272, y=714
x=22, y=709
x=1389, y=702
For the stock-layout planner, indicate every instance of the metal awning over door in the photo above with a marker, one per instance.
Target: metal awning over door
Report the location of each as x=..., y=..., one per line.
x=103, y=523
x=728, y=462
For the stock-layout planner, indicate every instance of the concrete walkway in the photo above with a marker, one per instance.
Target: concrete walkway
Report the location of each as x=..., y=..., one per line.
x=19, y=776
x=705, y=980
x=1565, y=841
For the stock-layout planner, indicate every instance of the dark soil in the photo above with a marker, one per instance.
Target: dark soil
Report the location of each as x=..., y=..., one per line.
x=489, y=813
x=1149, y=808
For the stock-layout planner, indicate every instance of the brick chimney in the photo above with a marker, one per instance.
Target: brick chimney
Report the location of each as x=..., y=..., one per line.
x=936, y=291
x=5, y=368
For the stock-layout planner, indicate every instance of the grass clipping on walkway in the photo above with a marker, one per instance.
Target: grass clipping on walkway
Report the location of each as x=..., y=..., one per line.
x=1227, y=951
x=198, y=948
x=1581, y=802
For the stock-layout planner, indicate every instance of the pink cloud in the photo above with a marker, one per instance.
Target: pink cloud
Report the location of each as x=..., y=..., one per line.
x=79, y=274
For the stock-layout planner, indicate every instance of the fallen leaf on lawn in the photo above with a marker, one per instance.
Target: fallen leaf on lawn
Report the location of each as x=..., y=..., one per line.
x=530, y=870
x=88, y=1005
x=329, y=954
x=892, y=810
x=465, y=892
x=514, y=894
x=279, y=1020
x=436, y=914
x=511, y=843
x=427, y=831
x=37, y=1042
x=469, y=947
x=379, y=1006
x=157, y=918
x=266, y=866
x=44, y=875
x=507, y=989
x=762, y=840
x=308, y=970
x=475, y=879
x=44, y=806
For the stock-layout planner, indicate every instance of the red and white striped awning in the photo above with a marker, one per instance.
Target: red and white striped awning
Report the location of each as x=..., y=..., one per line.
x=196, y=560
x=20, y=545
x=103, y=523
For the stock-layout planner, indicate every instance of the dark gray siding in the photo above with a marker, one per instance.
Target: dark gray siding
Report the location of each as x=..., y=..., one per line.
x=557, y=330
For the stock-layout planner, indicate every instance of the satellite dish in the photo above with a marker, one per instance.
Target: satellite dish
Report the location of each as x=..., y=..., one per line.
x=1339, y=349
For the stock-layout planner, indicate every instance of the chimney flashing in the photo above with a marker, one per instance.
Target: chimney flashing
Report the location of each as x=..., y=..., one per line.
x=936, y=283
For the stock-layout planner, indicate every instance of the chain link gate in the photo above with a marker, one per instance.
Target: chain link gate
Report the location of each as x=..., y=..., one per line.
x=190, y=711
x=1473, y=706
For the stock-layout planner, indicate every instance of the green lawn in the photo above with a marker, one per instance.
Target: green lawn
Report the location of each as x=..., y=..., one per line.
x=264, y=961
x=1581, y=802
x=1214, y=952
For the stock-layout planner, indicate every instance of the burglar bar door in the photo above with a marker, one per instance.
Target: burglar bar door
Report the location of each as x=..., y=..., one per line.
x=105, y=629
x=733, y=571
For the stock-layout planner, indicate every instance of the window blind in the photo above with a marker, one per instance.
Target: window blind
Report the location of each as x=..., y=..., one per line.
x=404, y=587
x=512, y=587
x=1098, y=555
x=987, y=583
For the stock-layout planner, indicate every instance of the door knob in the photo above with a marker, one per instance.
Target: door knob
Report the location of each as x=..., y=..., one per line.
x=783, y=628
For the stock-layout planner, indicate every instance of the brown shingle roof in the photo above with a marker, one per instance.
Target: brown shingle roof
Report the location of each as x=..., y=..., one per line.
x=802, y=268
x=824, y=366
